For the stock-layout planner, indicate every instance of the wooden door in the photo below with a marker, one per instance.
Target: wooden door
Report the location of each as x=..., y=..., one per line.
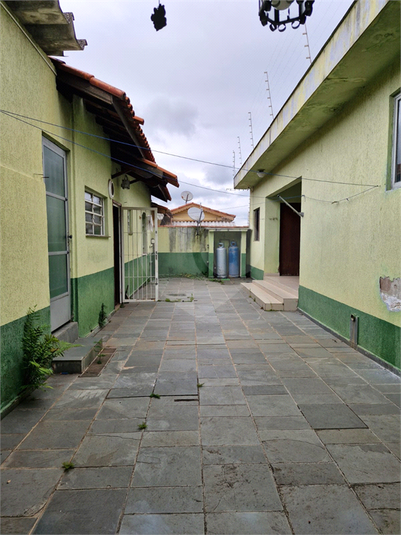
x=290, y=235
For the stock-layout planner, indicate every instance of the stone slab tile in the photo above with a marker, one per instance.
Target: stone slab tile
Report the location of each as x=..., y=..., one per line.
x=363, y=394
x=11, y=440
x=123, y=408
x=177, y=384
x=297, y=474
x=127, y=379
x=190, y=524
x=107, y=450
x=17, y=484
x=366, y=463
x=229, y=431
x=106, y=427
x=216, y=371
x=20, y=421
x=168, y=467
x=221, y=395
x=159, y=500
x=306, y=385
x=81, y=399
x=241, y=523
x=92, y=511
x=347, y=436
x=16, y=526
x=38, y=458
x=379, y=496
x=276, y=405
x=325, y=510
x=96, y=478
x=387, y=520
x=264, y=390
x=139, y=391
x=170, y=438
x=240, y=487
x=233, y=454
x=362, y=409
x=220, y=381
x=331, y=416
x=172, y=416
x=70, y=414
x=295, y=446
x=224, y=410
x=267, y=423
x=53, y=435
x=385, y=426
x=177, y=365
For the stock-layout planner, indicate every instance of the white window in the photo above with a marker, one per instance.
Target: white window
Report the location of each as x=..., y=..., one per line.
x=396, y=163
x=94, y=214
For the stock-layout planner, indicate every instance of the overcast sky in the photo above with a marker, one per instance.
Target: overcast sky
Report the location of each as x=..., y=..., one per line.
x=196, y=80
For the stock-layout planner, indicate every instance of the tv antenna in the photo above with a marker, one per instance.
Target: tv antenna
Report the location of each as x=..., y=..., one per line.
x=187, y=196
x=196, y=214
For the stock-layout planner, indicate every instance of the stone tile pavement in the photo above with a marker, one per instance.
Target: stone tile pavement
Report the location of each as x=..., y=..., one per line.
x=265, y=424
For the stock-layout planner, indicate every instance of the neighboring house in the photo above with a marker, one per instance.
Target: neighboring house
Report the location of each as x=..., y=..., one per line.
x=73, y=158
x=187, y=246
x=333, y=152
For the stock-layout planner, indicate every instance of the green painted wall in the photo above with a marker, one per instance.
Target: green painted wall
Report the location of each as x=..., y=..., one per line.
x=11, y=356
x=88, y=294
x=256, y=273
x=177, y=264
x=376, y=336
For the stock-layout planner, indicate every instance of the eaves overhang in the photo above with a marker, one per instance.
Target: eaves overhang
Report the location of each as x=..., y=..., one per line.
x=49, y=27
x=364, y=43
x=113, y=111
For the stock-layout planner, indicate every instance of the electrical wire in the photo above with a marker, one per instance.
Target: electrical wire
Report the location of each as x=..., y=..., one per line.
x=20, y=117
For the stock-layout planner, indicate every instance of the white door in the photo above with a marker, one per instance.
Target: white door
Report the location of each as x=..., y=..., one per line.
x=54, y=170
x=140, y=268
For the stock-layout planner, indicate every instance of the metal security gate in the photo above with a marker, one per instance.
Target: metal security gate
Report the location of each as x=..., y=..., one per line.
x=140, y=267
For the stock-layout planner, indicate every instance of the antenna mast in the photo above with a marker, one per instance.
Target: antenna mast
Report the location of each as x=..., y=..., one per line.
x=269, y=97
x=307, y=44
x=233, y=163
x=250, y=129
x=239, y=150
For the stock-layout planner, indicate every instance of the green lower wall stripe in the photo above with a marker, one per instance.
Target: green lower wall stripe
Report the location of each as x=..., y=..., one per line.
x=88, y=294
x=257, y=273
x=176, y=264
x=376, y=336
x=12, y=358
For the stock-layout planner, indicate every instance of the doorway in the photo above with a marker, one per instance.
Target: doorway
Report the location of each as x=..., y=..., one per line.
x=55, y=175
x=117, y=254
x=290, y=239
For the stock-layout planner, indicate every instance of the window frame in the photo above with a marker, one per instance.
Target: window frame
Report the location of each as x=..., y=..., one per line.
x=101, y=215
x=396, y=141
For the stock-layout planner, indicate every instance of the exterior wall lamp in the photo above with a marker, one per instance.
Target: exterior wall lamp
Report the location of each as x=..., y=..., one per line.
x=125, y=183
x=270, y=11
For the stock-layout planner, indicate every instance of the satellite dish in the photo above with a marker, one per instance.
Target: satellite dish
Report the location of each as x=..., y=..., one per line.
x=197, y=214
x=187, y=196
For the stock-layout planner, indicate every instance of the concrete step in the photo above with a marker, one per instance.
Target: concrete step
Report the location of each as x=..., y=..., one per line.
x=288, y=296
x=77, y=359
x=68, y=332
x=262, y=297
x=284, y=283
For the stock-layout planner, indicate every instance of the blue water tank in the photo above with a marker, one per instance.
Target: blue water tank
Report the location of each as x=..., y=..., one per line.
x=233, y=260
x=221, y=261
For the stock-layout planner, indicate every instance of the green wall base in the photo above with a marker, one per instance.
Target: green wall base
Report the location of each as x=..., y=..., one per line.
x=176, y=264
x=376, y=336
x=257, y=273
x=88, y=294
x=12, y=358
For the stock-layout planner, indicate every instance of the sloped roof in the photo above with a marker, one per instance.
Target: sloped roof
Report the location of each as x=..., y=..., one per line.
x=216, y=214
x=114, y=112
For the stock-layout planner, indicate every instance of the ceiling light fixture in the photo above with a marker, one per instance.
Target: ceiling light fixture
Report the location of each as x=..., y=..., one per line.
x=125, y=183
x=270, y=11
x=261, y=173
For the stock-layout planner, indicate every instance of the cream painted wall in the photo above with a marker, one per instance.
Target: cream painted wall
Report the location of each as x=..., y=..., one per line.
x=347, y=246
x=27, y=88
x=182, y=240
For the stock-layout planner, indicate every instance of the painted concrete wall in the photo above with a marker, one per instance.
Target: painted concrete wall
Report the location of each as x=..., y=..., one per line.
x=28, y=88
x=350, y=235
x=183, y=251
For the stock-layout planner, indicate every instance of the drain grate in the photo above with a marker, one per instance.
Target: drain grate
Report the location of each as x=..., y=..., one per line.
x=99, y=362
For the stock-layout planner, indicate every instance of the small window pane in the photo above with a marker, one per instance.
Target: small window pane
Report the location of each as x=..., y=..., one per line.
x=53, y=166
x=58, y=275
x=94, y=214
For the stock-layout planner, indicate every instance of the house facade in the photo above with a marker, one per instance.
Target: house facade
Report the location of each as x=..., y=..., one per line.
x=73, y=157
x=188, y=241
x=326, y=187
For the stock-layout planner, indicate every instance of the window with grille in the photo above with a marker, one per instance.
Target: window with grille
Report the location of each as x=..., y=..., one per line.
x=94, y=214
